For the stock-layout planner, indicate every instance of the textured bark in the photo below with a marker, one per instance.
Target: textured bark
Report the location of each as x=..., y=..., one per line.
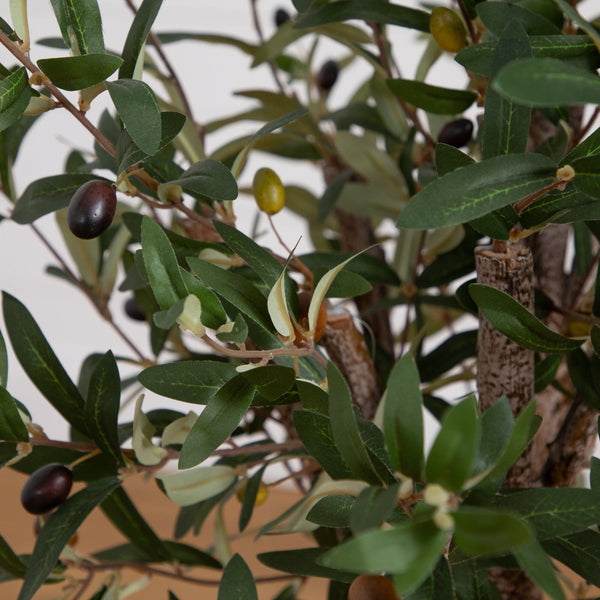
x=513, y=584
x=348, y=351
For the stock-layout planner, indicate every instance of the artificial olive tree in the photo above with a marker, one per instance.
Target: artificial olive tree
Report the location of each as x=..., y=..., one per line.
x=344, y=347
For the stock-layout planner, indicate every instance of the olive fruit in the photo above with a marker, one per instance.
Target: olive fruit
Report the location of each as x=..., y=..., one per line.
x=447, y=29
x=327, y=75
x=133, y=310
x=281, y=16
x=91, y=209
x=304, y=299
x=456, y=133
x=46, y=488
x=268, y=191
x=261, y=494
x=372, y=587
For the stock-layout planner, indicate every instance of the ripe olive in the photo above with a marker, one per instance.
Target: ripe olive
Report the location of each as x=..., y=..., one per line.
x=304, y=299
x=281, y=16
x=456, y=133
x=46, y=488
x=92, y=209
x=327, y=75
x=268, y=191
x=133, y=310
x=372, y=587
x=447, y=29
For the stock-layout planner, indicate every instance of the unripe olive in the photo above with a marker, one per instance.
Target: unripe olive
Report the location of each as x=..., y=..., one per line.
x=447, y=29
x=327, y=75
x=261, y=495
x=46, y=488
x=456, y=133
x=133, y=310
x=372, y=587
x=268, y=191
x=92, y=209
x=281, y=16
x=304, y=299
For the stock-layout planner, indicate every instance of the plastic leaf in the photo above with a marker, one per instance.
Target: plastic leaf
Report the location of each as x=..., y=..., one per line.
x=572, y=13
x=145, y=451
x=190, y=317
x=79, y=72
x=18, y=15
x=177, y=431
x=517, y=323
x=237, y=582
x=433, y=99
x=3, y=362
x=14, y=97
x=538, y=566
x=9, y=561
x=208, y=179
x=278, y=310
x=81, y=25
x=250, y=494
x=191, y=486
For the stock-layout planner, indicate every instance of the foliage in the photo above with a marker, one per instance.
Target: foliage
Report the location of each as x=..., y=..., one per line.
x=375, y=500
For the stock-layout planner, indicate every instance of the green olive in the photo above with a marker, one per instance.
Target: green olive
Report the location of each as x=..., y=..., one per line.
x=268, y=191
x=447, y=29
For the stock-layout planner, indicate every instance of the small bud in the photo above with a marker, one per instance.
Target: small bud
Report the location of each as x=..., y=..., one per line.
x=406, y=489
x=190, y=317
x=435, y=495
x=565, y=173
x=443, y=519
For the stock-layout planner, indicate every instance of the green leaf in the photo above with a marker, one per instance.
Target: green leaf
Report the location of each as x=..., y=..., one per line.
x=208, y=179
x=195, y=381
x=433, y=99
x=102, y=407
x=580, y=552
x=47, y=195
x=448, y=158
x=581, y=374
x=332, y=193
x=547, y=82
x=238, y=334
x=498, y=17
x=403, y=418
x=365, y=10
x=12, y=427
x=136, y=36
x=345, y=429
x=80, y=24
x=554, y=512
x=9, y=561
x=211, y=38
x=372, y=507
x=584, y=25
x=138, y=108
x=161, y=265
x=482, y=531
x=123, y=514
x=545, y=371
x=517, y=323
x=14, y=97
x=332, y=511
x=213, y=313
x=250, y=493
x=476, y=190
x=586, y=177
x=58, y=529
x=304, y=561
x=79, y=72
x=396, y=550
x=506, y=125
x=448, y=354
x=538, y=566
x=595, y=338
x=237, y=582
x=41, y=364
x=453, y=451
x=217, y=421
x=439, y=586
x=271, y=381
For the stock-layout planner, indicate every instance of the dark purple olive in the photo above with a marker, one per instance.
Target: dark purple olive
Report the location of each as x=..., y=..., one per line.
x=133, y=310
x=92, y=209
x=456, y=133
x=281, y=16
x=46, y=488
x=327, y=75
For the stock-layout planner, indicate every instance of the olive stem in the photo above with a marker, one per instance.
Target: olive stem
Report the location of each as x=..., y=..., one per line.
x=467, y=20
x=301, y=266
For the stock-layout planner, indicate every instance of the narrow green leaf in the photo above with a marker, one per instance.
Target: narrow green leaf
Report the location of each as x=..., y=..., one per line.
x=580, y=372
x=372, y=507
x=587, y=178
x=161, y=265
x=9, y=561
x=547, y=82
x=250, y=493
x=81, y=25
x=439, y=586
x=217, y=421
x=506, y=125
x=403, y=418
x=189, y=381
x=59, y=528
x=433, y=99
x=448, y=354
x=208, y=179
x=482, y=531
x=237, y=582
x=136, y=36
x=3, y=362
x=475, y=190
x=580, y=552
x=211, y=38
x=332, y=511
x=41, y=364
x=345, y=429
x=448, y=158
x=517, y=323
x=332, y=193
x=47, y=195
x=14, y=97
x=545, y=371
x=396, y=550
x=595, y=338
x=79, y=72
x=365, y=10
x=572, y=13
x=139, y=110
x=538, y=566
x=123, y=514
x=453, y=451
x=102, y=407
x=12, y=427
x=272, y=382
x=497, y=17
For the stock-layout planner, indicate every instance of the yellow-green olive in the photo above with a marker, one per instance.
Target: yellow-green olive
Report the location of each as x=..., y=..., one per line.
x=447, y=29
x=268, y=191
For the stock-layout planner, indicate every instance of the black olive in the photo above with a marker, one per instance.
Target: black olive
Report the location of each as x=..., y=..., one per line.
x=46, y=488
x=327, y=75
x=456, y=133
x=92, y=209
x=281, y=16
x=133, y=310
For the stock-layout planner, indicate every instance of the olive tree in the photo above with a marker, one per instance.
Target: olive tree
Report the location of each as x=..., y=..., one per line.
x=441, y=206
